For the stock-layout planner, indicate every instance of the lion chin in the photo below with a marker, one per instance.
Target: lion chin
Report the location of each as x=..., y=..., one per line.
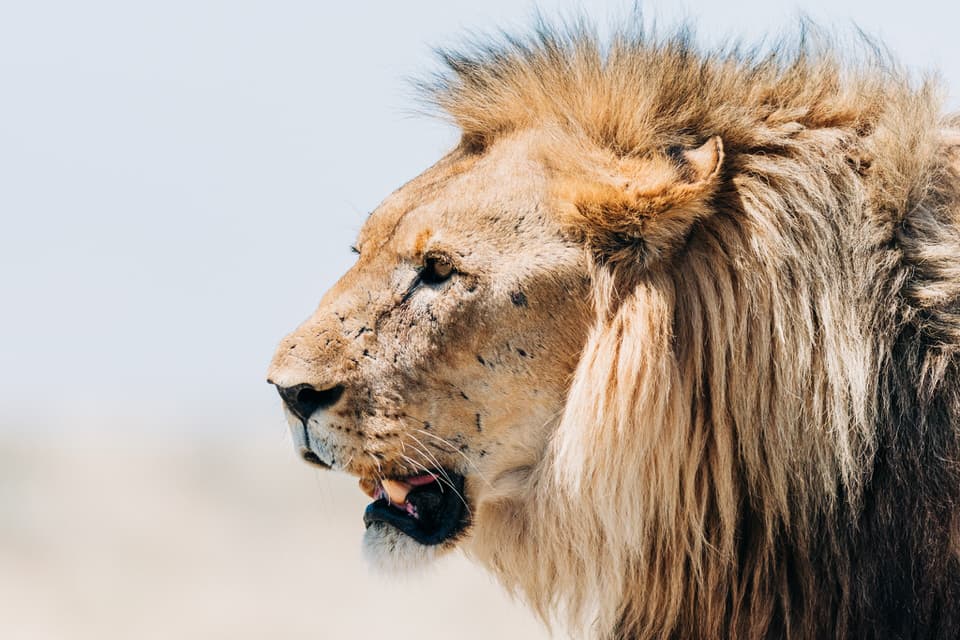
x=391, y=552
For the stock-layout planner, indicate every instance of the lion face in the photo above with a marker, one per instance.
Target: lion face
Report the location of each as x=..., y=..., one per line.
x=436, y=367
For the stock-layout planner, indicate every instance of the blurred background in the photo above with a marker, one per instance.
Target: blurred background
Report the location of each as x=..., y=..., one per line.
x=179, y=183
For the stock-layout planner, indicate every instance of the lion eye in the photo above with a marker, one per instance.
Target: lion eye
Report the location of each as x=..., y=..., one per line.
x=435, y=270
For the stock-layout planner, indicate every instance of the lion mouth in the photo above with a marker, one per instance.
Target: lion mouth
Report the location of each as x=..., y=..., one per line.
x=430, y=508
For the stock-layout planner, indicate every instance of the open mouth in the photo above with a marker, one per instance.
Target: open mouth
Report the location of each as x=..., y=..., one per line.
x=430, y=507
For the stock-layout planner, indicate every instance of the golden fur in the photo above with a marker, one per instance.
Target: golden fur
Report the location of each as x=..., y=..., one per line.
x=759, y=437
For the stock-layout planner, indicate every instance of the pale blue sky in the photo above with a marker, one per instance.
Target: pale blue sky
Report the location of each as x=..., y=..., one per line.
x=180, y=180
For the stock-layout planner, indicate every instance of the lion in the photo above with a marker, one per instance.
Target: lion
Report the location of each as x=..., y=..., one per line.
x=669, y=342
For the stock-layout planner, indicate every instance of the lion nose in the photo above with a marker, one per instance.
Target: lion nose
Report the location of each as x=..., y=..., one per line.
x=304, y=399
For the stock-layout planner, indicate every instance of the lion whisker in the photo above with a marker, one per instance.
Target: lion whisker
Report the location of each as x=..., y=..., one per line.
x=416, y=465
x=429, y=457
x=454, y=449
x=443, y=478
x=379, y=467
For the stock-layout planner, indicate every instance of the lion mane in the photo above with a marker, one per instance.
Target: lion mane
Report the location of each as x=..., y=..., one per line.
x=761, y=436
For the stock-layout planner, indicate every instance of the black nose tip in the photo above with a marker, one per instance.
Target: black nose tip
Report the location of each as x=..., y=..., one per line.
x=304, y=399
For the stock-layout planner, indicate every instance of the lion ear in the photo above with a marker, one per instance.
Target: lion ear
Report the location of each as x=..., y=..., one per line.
x=642, y=208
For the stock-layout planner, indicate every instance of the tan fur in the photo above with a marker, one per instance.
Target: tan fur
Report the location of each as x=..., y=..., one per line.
x=739, y=222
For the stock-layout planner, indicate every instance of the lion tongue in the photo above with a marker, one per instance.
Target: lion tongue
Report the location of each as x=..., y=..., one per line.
x=422, y=479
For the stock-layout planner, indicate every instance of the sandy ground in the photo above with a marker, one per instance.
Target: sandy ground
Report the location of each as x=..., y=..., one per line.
x=113, y=538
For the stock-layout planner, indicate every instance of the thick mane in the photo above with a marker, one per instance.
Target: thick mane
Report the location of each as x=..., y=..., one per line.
x=761, y=439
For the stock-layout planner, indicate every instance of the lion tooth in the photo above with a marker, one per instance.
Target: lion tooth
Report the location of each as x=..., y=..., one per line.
x=370, y=487
x=396, y=490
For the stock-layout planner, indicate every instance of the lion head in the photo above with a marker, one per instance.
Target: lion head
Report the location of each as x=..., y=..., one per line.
x=659, y=342
x=447, y=350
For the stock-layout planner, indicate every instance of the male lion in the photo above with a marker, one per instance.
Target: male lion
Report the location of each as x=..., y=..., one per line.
x=670, y=342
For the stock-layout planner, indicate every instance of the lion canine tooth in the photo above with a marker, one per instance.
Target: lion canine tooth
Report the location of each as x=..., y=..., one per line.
x=369, y=487
x=396, y=490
